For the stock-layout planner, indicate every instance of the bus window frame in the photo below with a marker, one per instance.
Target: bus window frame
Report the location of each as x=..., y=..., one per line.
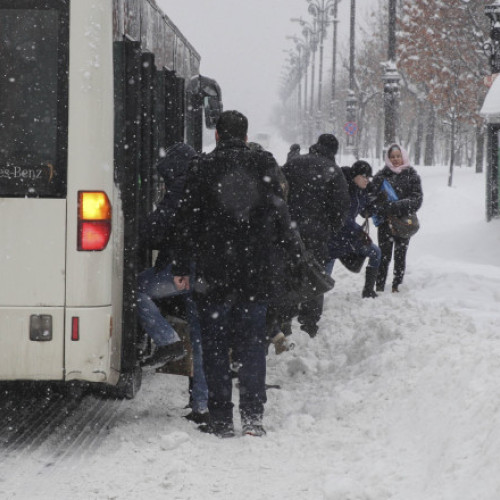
x=62, y=6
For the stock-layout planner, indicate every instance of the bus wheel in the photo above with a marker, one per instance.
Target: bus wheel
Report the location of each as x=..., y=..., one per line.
x=129, y=384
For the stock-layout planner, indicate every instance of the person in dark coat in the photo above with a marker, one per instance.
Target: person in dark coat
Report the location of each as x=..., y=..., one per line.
x=157, y=282
x=227, y=226
x=319, y=205
x=405, y=181
x=279, y=314
x=294, y=152
x=352, y=239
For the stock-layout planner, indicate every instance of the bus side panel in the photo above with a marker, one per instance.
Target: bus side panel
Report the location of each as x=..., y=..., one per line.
x=90, y=275
x=117, y=291
x=23, y=359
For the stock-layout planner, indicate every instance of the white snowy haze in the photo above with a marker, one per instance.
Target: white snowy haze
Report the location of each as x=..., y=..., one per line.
x=242, y=44
x=397, y=398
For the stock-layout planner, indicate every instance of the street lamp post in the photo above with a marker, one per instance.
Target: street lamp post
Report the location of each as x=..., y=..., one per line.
x=351, y=102
x=303, y=49
x=314, y=46
x=322, y=10
x=334, y=59
x=296, y=63
x=492, y=47
x=492, y=50
x=391, y=80
x=310, y=32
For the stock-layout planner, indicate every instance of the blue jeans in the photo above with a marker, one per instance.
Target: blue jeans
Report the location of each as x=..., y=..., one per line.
x=159, y=284
x=372, y=251
x=240, y=326
x=156, y=284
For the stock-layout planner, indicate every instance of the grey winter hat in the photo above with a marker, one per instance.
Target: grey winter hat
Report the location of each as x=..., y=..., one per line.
x=329, y=142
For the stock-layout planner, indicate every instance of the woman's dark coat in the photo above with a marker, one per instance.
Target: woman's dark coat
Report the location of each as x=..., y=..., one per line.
x=408, y=188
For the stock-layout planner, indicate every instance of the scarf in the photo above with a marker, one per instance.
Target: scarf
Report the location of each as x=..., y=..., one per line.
x=406, y=160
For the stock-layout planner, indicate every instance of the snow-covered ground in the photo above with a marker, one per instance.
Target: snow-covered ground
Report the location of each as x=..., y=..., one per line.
x=396, y=398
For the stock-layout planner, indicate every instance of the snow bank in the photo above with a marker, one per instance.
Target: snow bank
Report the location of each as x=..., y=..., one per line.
x=397, y=398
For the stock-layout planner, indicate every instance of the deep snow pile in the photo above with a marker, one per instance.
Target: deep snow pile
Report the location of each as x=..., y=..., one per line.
x=397, y=397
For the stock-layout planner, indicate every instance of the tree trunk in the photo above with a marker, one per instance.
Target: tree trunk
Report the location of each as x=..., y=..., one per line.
x=479, y=149
x=429, y=136
x=379, y=147
x=420, y=134
x=409, y=137
x=452, y=152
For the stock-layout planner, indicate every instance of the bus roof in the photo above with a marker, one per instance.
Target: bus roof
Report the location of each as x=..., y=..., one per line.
x=144, y=21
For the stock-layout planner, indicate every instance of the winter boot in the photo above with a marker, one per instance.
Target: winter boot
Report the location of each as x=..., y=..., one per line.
x=198, y=417
x=251, y=429
x=252, y=426
x=222, y=430
x=281, y=343
x=310, y=328
x=371, y=276
x=166, y=354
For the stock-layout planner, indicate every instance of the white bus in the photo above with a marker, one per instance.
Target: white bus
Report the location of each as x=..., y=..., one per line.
x=91, y=92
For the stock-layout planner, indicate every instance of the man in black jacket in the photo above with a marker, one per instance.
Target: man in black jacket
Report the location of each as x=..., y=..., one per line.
x=319, y=204
x=227, y=226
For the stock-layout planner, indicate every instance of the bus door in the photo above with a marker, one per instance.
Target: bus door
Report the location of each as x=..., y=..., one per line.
x=135, y=157
x=33, y=163
x=175, y=108
x=128, y=135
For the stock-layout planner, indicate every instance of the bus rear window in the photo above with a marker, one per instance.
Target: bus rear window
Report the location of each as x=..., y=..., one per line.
x=32, y=104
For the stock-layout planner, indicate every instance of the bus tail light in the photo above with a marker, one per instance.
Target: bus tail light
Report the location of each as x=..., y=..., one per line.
x=94, y=220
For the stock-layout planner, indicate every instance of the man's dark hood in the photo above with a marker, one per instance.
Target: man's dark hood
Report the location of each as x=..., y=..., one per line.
x=175, y=161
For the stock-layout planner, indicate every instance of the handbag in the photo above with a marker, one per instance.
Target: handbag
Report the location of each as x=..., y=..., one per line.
x=401, y=226
x=353, y=262
x=307, y=279
x=404, y=226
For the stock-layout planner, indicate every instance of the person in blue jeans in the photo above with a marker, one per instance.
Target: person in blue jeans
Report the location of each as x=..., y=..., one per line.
x=352, y=239
x=157, y=282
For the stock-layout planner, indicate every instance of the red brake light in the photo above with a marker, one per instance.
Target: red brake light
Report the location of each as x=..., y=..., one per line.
x=75, y=328
x=94, y=220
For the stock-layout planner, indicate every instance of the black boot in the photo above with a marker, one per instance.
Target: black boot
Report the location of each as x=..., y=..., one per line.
x=370, y=277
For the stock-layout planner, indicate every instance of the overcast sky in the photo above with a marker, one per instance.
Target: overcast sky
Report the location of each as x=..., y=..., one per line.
x=242, y=43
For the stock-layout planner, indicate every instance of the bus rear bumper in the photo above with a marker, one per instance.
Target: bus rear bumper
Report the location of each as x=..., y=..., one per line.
x=78, y=347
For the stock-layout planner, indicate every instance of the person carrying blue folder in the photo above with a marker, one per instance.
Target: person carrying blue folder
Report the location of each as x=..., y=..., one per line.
x=403, y=188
